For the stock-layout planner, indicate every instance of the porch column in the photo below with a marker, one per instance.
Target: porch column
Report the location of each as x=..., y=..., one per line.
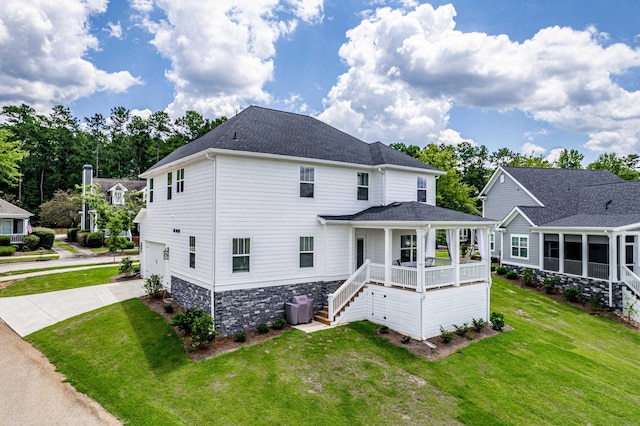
x=561, y=252
x=541, y=251
x=387, y=257
x=352, y=250
x=585, y=255
x=420, y=233
x=455, y=254
x=613, y=258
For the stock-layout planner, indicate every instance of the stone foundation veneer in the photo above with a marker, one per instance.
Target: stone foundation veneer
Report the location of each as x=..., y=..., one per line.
x=243, y=310
x=188, y=294
x=588, y=286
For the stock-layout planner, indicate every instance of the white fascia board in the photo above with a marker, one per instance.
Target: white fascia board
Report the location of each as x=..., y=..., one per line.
x=409, y=225
x=15, y=216
x=573, y=230
x=512, y=215
x=176, y=164
x=493, y=179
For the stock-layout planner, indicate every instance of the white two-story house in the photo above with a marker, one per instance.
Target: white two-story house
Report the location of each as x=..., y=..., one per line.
x=272, y=204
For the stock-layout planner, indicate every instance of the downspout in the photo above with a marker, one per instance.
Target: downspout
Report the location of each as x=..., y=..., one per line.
x=213, y=233
x=611, y=272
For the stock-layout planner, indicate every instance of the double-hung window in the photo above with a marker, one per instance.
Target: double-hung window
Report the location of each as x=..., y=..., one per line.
x=408, y=248
x=151, y=190
x=241, y=254
x=307, y=180
x=180, y=181
x=192, y=252
x=492, y=241
x=363, y=186
x=306, y=252
x=422, y=189
x=520, y=246
x=169, y=184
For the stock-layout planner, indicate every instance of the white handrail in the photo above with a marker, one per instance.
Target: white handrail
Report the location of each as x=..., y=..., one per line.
x=630, y=279
x=339, y=298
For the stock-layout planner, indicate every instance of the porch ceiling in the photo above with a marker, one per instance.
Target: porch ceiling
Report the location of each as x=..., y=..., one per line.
x=411, y=212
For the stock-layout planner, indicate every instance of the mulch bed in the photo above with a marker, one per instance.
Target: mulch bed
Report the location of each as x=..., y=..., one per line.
x=582, y=305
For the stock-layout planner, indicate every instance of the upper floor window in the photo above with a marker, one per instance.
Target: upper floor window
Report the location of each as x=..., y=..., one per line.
x=169, y=183
x=422, y=189
x=492, y=241
x=408, y=248
x=307, y=179
x=118, y=196
x=180, y=181
x=363, y=186
x=306, y=252
x=192, y=252
x=520, y=246
x=151, y=190
x=241, y=254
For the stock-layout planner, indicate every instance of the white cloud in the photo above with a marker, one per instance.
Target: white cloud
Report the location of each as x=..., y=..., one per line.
x=222, y=54
x=114, y=30
x=407, y=69
x=531, y=149
x=554, y=155
x=44, y=54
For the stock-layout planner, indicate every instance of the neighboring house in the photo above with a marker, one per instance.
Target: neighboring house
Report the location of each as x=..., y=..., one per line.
x=272, y=204
x=14, y=221
x=580, y=225
x=113, y=190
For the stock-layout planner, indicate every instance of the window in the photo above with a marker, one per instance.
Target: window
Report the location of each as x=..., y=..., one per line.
x=422, y=189
x=492, y=241
x=363, y=186
x=192, y=252
x=241, y=254
x=306, y=182
x=169, y=183
x=6, y=226
x=180, y=181
x=151, y=190
x=118, y=196
x=408, y=248
x=520, y=246
x=306, y=252
x=501, y=178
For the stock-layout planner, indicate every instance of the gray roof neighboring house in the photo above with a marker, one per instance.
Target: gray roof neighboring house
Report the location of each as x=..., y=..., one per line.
x=8, y=210
x=412, y=211
x=579, y=198
x=131, y=185
x=267, y=131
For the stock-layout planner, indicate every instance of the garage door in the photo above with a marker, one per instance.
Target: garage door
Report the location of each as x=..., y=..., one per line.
x=155, y=263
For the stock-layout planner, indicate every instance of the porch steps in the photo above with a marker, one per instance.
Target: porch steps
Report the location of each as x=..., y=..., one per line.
x=323, y=314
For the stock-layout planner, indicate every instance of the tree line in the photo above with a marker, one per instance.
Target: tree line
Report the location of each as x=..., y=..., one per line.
x=44, y=153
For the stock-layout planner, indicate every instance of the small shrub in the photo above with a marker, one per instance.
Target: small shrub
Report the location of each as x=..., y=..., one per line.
x=31, y=242
x=461, y=330
x=95, y=239
x=405, y=339
x=168, y=309
x=82, y=238
x=501, y=270
x=240, y=336
x=5, y=240
x=279, y=324
x=191, y=322
x=572, y=294
x=549, y=284
x=153, y=286
x=129, y=245
x=596, y=303
x=511, y=275
x=528, y=277
x=471, y=336
x=126, y=266
x=479, y=323
x=7, y=251
x=493, y=268
x=497, y=320
x=72, y=234
x=383, y=329
x=445, y=335
x=262, y=328
x=202, y=332
x=46, y=235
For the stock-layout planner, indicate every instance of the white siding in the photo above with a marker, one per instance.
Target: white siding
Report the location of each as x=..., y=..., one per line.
x=403, y=186
x=190, y=212
x=454, y=305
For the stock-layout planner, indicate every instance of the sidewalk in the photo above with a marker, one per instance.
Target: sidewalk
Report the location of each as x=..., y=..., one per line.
x=27, y=314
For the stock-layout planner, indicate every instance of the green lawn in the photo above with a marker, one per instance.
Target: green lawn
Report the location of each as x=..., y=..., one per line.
x=62, y=281
x=106, y=250
x=558, y=366
x=22, y=257
x=65, y=246
x=51, y=268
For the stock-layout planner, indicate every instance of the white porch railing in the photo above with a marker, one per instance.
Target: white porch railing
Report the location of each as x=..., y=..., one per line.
x=347, y=290
x=404, y=276
x=439, y=276
x=471, y=272
x=630, y=279
x=15, y=238
x=376, y=273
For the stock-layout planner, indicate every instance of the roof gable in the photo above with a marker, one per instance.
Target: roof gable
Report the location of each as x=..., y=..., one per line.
x=8, y=210
x=267, y=131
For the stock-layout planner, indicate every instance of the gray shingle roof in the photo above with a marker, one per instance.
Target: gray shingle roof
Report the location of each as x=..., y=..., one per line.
x=579, y=198
x=409, y=212
x=8, y=210
x=262, y=130
x=132, y=185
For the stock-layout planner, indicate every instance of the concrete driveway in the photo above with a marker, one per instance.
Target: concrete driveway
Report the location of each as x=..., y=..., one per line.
x=27, y=314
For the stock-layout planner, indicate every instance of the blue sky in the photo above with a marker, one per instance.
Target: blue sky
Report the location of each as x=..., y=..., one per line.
x=533, y=76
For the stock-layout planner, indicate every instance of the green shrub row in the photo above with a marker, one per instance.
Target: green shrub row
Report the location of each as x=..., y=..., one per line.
x=31, y=242
x=46, y=235
x=7, y=250
x=5, y=240
x=197, y=325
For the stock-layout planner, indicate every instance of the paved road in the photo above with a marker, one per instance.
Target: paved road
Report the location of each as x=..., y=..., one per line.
x=32, y=392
